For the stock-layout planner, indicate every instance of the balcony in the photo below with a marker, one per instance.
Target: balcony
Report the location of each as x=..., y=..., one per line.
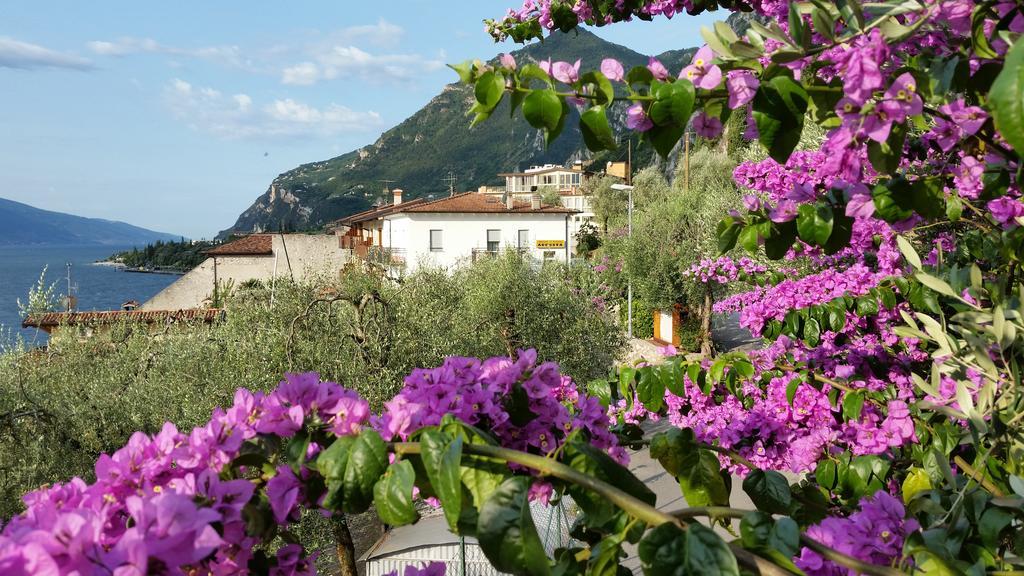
x=384, y=256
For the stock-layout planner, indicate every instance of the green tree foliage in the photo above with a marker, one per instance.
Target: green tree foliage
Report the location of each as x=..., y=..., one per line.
x=606, y=202
x=182, y=255
x=62, y=407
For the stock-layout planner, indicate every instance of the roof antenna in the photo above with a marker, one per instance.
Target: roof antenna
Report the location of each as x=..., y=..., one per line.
x=451, y=180
x=387, y=185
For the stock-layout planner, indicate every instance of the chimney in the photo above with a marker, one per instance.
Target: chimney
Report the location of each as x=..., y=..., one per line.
x=398, y=196
x=510, y=200
x=130, y=305
x=535, y=202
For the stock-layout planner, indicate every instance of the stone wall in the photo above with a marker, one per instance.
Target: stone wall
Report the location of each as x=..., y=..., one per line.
x=298, y=256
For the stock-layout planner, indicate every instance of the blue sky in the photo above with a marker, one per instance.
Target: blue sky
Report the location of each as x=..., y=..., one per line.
x=175, y=116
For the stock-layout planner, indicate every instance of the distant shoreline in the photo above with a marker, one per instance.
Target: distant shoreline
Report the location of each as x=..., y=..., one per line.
x=124, y=268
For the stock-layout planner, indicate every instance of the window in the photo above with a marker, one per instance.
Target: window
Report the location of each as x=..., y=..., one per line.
x=493, y=240
x=435, y=241
x=524, y=239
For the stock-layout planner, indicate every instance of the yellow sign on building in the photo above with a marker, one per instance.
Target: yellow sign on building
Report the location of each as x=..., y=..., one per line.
x=549, y=244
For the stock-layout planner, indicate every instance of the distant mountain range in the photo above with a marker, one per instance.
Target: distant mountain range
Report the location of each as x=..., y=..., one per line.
x=21, y=224
x=418, y=154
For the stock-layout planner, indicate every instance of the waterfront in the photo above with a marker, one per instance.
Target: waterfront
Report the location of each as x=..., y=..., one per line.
x=98, y=287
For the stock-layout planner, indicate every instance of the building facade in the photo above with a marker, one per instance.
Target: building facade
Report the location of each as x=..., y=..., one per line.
x=456, y=230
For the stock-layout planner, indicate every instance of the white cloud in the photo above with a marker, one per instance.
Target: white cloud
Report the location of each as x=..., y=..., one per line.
x=226, y=55
x=26, y=56
x=302, y=74
x=340, y=61
x=237, y=117
x=383, y=33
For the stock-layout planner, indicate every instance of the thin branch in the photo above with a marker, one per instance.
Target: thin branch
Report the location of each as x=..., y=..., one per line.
x=978, y=476
x=631, y=505
x=829, y=554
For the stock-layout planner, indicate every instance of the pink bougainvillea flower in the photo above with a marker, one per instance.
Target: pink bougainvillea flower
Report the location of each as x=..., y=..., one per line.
x=546, y=66
x=565, y=72
x=707, y=126
x=508, y=61
x=904, y=92
x=702, y=72
x=742, y=85
x=637, y=120
x=612, y=69
x=860, y=205
x=657, y=68
x=1006, y=210
x=784, y=211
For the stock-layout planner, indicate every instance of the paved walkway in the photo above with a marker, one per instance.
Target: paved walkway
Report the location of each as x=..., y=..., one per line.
x=725, y=330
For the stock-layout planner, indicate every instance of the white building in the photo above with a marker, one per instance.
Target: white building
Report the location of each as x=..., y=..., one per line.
x=568, y=182
x=456, y=230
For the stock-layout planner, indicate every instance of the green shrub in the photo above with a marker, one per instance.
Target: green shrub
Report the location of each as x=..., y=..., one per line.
x=62, y=407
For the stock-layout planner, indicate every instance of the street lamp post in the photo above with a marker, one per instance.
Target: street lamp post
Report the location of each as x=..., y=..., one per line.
x=629, y=232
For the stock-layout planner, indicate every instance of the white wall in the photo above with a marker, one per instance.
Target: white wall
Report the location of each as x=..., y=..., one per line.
x=462, y=233
x=297, y=255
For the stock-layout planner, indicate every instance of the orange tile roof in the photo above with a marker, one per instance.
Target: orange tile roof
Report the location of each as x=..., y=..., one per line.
x=54, y=319
x=374, y=213
x=471, y=202
x=251, y=245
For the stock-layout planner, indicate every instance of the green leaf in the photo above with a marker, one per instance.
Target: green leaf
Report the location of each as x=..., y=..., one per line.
x=979, y=39
x=867, y=305
x=937, y=284
x=993, y=521
x=1006, y=98
x=814, y=223
x=812, y=332
x=701, y=480
x=351, y=466
x=392, y=495
x=853, y=404
x=639, y=75
x=603, y=88
x=664, y=138
x=749, y=238
x=824, y=23
x=778, y=243
x=663, y=550
x=295, y=450
x=442, y=456
x=779, y=108
x=792, y=387
x=769, y=491
x=490, y=87
x=597, y=134
x=707, y=553
x=917, y=480
x=728, y=232
x=670, y=446
x=651, y=389
x=543, y=109
x=464, y=70
x=908, y=251
x=506, y=532
x=785, y=537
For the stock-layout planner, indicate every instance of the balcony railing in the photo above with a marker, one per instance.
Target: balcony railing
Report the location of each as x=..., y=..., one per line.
x=385, y=256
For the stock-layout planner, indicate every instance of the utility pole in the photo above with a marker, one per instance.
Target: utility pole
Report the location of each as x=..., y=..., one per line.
x=629, y=231
x=686, y=161
x=451, y=179
x=69, y=285
x=629, y=163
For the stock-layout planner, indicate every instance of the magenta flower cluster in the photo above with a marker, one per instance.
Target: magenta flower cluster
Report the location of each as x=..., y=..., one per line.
x=160, y=504
x=873, y=534
x=524, y=405
x=723, y=269
x=173, y=503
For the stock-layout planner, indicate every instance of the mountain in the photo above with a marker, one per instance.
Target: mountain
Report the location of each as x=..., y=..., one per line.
x=21, y=224
x=418, y=154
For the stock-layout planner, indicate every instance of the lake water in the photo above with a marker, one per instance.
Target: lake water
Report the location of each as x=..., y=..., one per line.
x=97, y=287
